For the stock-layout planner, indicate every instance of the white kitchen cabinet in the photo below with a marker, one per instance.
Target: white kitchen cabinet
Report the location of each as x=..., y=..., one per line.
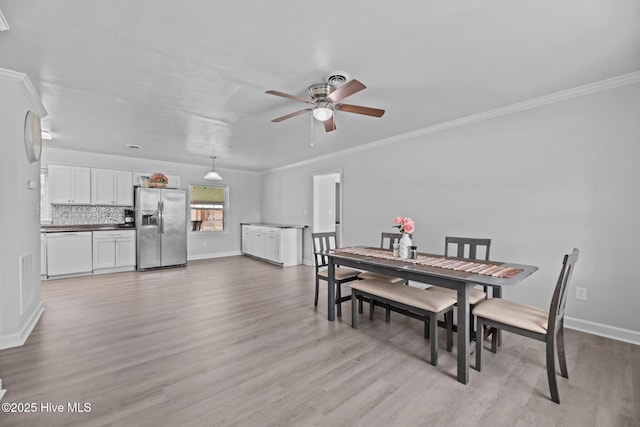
x=111, y=187
x=69, y=185
x=69, y=253
x=278, y=244
x=114, y=251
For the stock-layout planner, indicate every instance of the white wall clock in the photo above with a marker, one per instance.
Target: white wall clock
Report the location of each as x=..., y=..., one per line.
x=32, y=137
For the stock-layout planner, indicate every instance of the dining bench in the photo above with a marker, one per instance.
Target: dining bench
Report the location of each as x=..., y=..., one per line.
x=407, y=300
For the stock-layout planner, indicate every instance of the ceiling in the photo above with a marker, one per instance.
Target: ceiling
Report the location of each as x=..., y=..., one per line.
x=187, y=79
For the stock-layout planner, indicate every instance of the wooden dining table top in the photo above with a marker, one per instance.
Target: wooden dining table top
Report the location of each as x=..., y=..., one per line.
x=496, y=273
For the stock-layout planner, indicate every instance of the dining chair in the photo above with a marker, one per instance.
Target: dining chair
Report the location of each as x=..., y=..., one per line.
x=468, y=248
x=386, y=242
x=323, y=242
x=532, y=322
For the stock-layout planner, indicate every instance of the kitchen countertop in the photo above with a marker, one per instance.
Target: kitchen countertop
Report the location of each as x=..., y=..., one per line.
x=48, y=228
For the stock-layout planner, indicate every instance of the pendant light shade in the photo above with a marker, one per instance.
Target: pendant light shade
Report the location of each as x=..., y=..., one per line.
x=212, y=174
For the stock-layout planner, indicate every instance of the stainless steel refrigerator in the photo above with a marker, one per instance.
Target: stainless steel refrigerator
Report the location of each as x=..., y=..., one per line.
x=161, y=227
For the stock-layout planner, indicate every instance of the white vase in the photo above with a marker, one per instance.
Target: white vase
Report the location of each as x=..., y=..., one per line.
x=405, y=243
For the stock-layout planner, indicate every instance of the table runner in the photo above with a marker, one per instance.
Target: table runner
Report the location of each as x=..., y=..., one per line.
x=456, y=264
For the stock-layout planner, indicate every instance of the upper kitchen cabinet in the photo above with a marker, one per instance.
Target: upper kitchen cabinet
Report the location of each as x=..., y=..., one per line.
x=111, y=187
x=69, y=185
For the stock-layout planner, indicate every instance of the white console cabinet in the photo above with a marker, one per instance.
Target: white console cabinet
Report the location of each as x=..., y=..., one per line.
x=279, y=244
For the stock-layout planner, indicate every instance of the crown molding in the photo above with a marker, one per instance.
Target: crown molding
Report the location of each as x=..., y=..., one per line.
x=563, y=95
x=27, y=88
x=4, y=25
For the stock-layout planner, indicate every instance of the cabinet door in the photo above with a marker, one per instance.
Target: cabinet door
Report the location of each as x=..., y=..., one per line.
x=123, y=188
x=273, y=247
x=125, y=251
x=104, y=252
x=59, y=184
x=81, y=185
x=69, y=253
x=246, y=240
x=102, y=188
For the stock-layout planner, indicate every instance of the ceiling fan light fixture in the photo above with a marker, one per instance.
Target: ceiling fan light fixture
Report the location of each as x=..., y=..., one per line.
x=212, y=175
x=322, y=113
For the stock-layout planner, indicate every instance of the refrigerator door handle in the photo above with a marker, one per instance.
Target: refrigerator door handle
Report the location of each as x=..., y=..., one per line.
x=161, y=213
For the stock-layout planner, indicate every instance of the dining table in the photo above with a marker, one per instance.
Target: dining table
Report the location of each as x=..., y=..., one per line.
x=460, y=274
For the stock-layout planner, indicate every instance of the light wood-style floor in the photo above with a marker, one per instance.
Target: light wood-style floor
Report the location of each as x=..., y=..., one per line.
x=235, y=341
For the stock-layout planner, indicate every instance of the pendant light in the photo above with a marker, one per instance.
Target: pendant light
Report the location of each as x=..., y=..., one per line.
x=212, y=174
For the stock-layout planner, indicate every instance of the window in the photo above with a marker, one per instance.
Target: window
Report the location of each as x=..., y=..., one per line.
x=208, y=207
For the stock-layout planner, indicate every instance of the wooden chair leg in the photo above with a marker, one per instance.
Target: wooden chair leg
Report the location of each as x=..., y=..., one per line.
x=360, y=304
x=448, y=318
x=479, y=340
x=426, y=327
x=338, y=298
x=387, y=315
x=372, y=307
x=317, y=289
x=551, y=369
x=354, y=315
x=433, y=337
x=561, y=355
x=494, y=340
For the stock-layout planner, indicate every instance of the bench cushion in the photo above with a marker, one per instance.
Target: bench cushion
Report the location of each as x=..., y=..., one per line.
x=434, y=302
x=475, y=295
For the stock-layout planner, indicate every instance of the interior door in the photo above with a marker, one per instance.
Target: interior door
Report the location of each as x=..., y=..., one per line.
x=327, y=203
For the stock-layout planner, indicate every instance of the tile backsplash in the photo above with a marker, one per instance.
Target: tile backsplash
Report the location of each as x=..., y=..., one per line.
x=87, y=214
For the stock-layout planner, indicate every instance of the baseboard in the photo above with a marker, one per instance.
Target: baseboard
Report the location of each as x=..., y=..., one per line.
x=615, y=333
x=213, y=255
x=18, y=339
x=308, y=262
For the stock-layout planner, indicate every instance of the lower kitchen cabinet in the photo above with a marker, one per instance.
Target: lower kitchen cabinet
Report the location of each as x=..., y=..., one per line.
x=278, y=244
x=114, y=251
x=69, y=253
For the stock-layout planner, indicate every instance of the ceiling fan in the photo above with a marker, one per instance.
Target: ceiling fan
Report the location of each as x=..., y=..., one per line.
x=324, y=100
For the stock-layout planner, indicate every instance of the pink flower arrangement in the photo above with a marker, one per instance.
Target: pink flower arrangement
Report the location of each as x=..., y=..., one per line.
x=405, y=225
x=159, y=178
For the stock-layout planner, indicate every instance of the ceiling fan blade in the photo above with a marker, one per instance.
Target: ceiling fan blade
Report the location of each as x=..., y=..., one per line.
x=329, y=124
x=348, y=89
x=367, y=111
x=288, y=116
x=286, y=95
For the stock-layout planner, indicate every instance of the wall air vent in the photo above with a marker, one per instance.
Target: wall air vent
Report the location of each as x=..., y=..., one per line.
x=26, y=281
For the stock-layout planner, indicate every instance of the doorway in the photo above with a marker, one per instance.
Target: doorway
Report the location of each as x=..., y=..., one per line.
x=327, y=203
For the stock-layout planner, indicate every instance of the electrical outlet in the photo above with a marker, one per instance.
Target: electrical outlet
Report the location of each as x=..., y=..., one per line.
x=581, y=294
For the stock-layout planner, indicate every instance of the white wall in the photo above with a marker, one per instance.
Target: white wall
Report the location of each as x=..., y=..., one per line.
x=244, y=194
x=20, y=307
x=538, y=182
